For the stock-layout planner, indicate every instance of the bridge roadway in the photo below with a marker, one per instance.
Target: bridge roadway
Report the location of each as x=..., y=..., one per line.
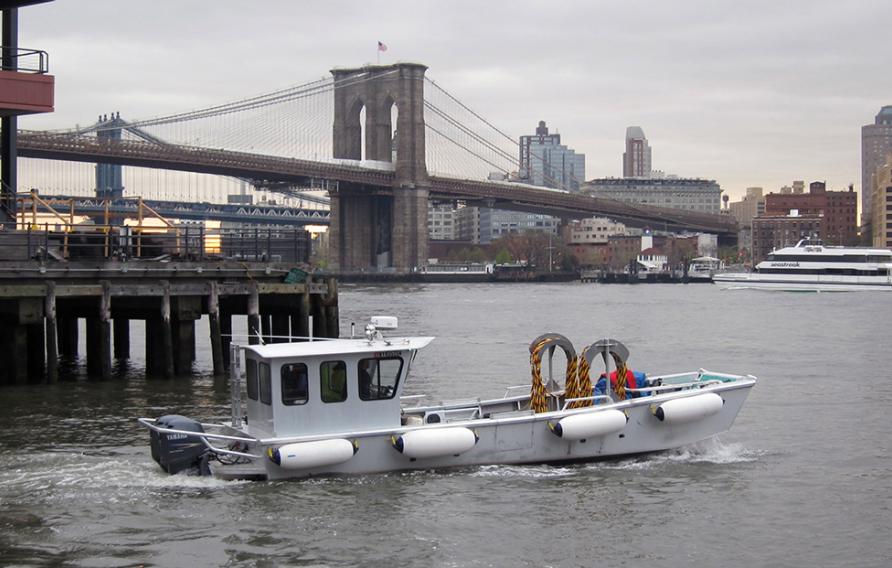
x=503, y=195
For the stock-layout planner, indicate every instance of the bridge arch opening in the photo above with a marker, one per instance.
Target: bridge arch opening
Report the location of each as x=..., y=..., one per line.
x=392, y=112
x=354, y=131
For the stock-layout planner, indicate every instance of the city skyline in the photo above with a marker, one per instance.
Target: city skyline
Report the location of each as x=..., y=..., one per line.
x=754, y=95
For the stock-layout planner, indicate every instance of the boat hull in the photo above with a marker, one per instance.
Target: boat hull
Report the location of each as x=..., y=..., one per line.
x=802, y=283
x=522, y=439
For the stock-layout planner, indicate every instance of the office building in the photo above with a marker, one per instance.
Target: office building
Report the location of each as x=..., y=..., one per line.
x=546, y=162
x=876, y=143
x=441, y=222
x=881, y=208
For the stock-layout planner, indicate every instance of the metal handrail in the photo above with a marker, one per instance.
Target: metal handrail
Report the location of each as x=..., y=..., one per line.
x=13, y=55
x=569, y=401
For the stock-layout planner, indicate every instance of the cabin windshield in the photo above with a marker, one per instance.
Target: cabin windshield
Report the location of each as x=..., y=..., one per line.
x=378, y=378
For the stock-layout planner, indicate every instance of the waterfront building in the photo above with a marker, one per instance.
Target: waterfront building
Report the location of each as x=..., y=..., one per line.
x=482, y=225
x=544, y=161
x=593, y=231
x=876, y=143
x=837, y=208
x=467, y=224
x=676, y=193
x=778, y=231
x=881, y=206
x=637, y=157
x=588, y=239
x=441, y=222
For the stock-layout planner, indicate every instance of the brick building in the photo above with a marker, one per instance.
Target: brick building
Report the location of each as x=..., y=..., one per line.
x=838, y=209
x=780, y=231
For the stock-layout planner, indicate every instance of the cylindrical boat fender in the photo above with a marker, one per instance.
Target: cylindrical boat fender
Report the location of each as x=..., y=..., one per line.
x=435, y=442
x=689, y=409
x=589, y=424
x=308, y=455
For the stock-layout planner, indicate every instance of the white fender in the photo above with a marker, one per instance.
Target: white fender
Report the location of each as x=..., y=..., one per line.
x=307, y=455
x=435, y=442
x=689, y=409
x=590, y=424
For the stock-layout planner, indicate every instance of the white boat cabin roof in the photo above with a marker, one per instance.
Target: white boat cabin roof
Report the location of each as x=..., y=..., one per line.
x=337, y=347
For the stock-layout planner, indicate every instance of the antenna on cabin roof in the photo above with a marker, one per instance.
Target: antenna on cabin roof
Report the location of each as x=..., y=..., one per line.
x=259, y=337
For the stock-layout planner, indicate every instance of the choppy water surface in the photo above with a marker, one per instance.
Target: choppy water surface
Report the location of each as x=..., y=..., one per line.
x=803, y=479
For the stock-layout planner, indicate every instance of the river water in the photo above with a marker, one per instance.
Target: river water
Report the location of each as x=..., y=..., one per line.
x=804, y=478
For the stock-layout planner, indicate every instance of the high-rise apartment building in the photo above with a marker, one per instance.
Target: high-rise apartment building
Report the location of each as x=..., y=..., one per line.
x=637, y=157
x=876, y=143
x=545, y=161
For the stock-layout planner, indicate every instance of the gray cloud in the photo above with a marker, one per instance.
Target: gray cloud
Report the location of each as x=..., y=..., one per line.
x=748, y=93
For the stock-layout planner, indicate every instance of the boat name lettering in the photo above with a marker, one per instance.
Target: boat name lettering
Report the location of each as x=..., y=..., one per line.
x=786, y=264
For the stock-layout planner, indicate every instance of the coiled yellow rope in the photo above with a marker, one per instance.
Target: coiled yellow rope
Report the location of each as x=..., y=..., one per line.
x=583, y=382
x=538, y=402
x=620, y=387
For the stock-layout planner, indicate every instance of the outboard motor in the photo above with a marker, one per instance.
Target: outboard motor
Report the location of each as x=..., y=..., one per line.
x=178, y=452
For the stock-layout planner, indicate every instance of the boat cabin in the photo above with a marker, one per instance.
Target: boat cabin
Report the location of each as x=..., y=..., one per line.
x=317, y=387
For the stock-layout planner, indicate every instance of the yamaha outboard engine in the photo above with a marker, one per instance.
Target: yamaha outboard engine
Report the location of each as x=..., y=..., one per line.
x=178, y=452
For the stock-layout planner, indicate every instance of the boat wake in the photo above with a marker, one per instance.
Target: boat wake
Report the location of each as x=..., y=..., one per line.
x=712, y=451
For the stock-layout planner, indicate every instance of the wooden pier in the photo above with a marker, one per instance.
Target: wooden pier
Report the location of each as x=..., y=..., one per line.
x=41, y=303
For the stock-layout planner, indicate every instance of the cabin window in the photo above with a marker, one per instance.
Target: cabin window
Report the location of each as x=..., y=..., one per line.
x=295, y=385
x=251, y=372
x=266, y=386
x=333, y=379
x=378, y=378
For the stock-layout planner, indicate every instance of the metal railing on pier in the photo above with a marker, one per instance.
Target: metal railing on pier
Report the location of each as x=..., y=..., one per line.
x=52, y=242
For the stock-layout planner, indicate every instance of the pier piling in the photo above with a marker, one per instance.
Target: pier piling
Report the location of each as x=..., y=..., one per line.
x=40, y=310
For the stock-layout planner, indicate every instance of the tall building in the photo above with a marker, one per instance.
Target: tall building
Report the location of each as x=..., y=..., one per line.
x=881, y=207
x=636, y=158
x=546, y=162
x=744, y=211
x=876, y=142
x=677, y=193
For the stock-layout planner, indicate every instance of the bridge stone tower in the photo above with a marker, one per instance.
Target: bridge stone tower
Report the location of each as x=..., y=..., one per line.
x=378, y=227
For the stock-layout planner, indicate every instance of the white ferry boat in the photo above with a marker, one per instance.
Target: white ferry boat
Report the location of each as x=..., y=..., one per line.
x=337, y=407
x=811, y=266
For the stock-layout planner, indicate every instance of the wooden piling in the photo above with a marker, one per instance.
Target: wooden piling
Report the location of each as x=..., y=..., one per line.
x=214, y=324
x=303, y=315
x=105, y=350
x=166, y=332
x=51, y=334
x=36, y=349
x=253, y=316
x=332, y=315
x=122, y=338
x=225, y=331
x=68, y=332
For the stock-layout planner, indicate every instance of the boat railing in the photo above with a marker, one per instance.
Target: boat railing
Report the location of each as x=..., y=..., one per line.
x=514, y=387
x=203, y=436
x=604, y=397
x=412, y=397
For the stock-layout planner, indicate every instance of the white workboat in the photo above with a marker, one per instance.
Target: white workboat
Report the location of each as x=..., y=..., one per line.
x=703, y=268
x=335, y=407
x=810, y=266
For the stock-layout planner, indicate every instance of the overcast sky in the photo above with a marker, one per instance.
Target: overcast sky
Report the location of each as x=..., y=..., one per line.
x=749, y=93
